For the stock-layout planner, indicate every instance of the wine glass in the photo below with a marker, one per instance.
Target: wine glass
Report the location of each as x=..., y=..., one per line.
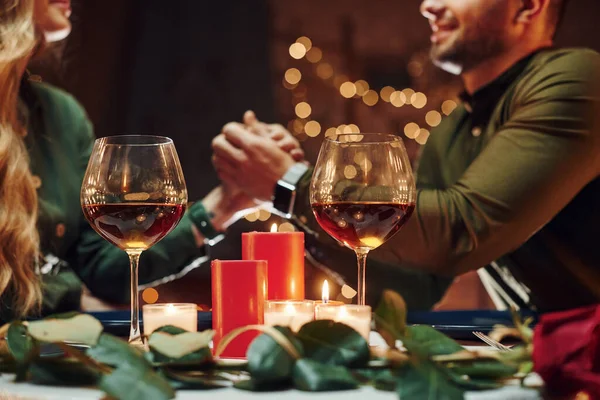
x=362, y=191
x=133, y=194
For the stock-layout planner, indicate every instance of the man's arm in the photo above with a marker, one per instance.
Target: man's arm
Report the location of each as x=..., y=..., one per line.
x=532, y=168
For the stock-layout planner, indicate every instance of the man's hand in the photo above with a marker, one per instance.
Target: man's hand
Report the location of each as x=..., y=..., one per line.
x=284, y=139
x=249, y=158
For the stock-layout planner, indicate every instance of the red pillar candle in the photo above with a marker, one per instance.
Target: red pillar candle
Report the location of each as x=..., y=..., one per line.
x=284, y=252
x=239, y=289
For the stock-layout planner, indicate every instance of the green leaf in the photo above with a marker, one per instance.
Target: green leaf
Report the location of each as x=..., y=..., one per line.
x=186, y=347
x=113, y=351
x=82, y=328
x=65, y=315
x=312, y=376
x=390, y=319
x=469, y=383
x=427, y=342
x=170, y=329
x=268, y=361
x=334, y=343
x=133, y=376
x=252, y=385
x=134, y=382
x=483, y=369
x=426, y=382
x=22, y=347
x=181, y=380
x=63, y=373
x=380, y=379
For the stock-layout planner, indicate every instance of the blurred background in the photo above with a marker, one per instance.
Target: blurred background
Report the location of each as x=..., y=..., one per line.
x=185, y=68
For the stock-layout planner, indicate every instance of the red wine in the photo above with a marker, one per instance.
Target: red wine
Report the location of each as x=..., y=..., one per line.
x=362, y=225
x=133, y=226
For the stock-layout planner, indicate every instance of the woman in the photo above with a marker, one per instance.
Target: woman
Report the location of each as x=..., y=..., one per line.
x=45, y=142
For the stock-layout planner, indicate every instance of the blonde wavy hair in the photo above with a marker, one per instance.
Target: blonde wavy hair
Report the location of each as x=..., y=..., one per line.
x=19, y=238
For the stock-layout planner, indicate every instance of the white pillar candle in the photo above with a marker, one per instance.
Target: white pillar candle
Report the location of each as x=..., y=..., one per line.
x=181, y=315
x=291, y=313
x=356, y=317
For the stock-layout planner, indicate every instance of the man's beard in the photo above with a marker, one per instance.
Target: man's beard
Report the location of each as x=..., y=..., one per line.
x=469, y=49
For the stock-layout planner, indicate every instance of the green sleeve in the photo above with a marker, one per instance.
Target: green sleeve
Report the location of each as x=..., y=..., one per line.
x=421, y=290
x=535, y=164
x=104, y=268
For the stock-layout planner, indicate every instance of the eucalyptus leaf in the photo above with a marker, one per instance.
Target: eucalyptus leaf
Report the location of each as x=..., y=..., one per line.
x=312, y=376
x=132, y=381
x=182, y=347
x=426, y=382
x=63, y=373
x=133, y=376
x=427, y=342
x=82, y=328
x=334, y=343
x=23, y=348
x=170, y=329
x=181, y=380
x=381, y=379
x=483, y=369
x=252, y=385
x=390, y=318
x=113, y=351
x=268, y=361
x=469, y=383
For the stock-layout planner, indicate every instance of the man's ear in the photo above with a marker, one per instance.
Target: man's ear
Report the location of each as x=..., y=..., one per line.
x=530, y=9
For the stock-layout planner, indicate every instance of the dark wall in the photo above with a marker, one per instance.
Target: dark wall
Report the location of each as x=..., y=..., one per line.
x=180, y=69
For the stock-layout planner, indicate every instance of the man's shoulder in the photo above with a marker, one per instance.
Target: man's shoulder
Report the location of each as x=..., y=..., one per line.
x=566, y=60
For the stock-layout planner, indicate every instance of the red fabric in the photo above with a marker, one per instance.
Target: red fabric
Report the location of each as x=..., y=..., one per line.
x=566, y=351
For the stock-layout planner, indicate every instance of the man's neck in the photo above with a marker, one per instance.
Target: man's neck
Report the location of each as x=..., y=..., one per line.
x=490, y=69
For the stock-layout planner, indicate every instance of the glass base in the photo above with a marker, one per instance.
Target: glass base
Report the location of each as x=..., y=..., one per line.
x=137, y=342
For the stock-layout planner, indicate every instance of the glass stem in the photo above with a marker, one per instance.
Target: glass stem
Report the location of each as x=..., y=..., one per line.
x=361, y=256
x=134, y=331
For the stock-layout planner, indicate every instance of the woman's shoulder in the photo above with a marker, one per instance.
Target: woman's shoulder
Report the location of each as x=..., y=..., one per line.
x=56, y=102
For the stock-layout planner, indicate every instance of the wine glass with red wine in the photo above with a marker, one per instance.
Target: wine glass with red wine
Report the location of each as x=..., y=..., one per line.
x=362, y=192
x=133, y=194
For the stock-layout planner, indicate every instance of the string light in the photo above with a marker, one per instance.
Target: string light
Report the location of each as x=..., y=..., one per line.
x=411, y=130
x=297, y=50
x=398, y=99
x=418, y=100
x=448, y=106
x=331, y=133
x=362, y=87
x=408, y=94
x=386, y=93
x=263, y=215
x=433, y=118
x=303, y=47
x=304, y=41
x=312, y=128
x=314, y=55
x=303, y=109
x=422, y=136
x=348, y=89
x=350, y=171
x=324, y=71
x=293, y=76
x=150, y=295
x=370, y=98
x=351, y=129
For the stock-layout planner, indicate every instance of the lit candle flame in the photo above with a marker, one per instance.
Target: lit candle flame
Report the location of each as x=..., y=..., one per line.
x=274, y=228
x=325, y=292
x=170, y=309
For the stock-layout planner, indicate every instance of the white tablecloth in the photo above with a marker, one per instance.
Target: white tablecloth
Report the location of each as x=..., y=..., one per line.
x=26, y=391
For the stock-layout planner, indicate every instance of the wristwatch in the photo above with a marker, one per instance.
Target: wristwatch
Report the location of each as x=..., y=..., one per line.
x=285, y=190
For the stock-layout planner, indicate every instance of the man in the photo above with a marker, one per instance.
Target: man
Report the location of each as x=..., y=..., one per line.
x=510, y=180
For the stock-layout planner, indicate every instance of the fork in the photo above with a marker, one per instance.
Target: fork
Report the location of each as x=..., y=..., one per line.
x=491, y=342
